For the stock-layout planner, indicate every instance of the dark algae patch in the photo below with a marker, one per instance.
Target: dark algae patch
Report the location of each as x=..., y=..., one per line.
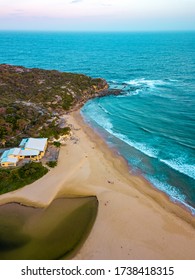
x=54, y=232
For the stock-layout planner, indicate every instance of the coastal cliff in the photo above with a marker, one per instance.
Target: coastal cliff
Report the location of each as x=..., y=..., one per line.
x=33, y=101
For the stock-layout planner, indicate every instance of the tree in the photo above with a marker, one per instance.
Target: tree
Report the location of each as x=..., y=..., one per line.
x=21, y=124
x=3, y=142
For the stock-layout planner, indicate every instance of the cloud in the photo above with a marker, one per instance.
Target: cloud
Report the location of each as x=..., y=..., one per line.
x=17, y=12
x=106, y=5
x=75, y=1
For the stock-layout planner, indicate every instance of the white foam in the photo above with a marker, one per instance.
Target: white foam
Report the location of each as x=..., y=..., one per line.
x=142, y=147
x=192, y=209
x=98, y=114
x=106, y=124
x=103, y=109
x=147, y=83
x=174, y=194
x=100, y=118
x=132, y=93
x=173, y=80
x=179, y=165
x=170, y=190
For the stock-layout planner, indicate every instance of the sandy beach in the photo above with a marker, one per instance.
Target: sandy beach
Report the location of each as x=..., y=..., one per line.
x=134, y=220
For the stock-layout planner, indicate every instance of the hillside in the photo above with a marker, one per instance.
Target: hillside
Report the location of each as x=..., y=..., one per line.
x=32, y=101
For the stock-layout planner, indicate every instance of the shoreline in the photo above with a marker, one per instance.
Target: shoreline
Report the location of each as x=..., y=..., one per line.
x=176, y=202
x=134, y=221
x=151, y=190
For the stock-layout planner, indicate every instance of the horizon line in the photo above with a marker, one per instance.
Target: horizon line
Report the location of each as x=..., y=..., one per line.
x=97, y=31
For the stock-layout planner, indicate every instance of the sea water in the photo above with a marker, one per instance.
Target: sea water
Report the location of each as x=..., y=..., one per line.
x=152, y=123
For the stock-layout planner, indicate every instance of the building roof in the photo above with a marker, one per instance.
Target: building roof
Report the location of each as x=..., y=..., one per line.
x=8, y=159
x=23, y=142
x=30, y=147
x=14, y=152
x=36, y=144
x=5, y=154
x=11, y=152
x=27, y=153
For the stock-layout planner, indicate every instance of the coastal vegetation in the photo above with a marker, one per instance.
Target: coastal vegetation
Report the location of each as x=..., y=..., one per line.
x=54, y=232
x=32, y=101
x=15, y=178
x=52, y=164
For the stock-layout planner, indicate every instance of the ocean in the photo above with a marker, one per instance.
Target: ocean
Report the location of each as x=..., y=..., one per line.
x=152, y=123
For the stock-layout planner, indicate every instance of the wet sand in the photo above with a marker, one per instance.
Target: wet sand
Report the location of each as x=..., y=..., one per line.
x=134, y=221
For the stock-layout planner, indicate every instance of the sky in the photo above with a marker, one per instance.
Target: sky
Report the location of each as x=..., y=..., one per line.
x=97, y=15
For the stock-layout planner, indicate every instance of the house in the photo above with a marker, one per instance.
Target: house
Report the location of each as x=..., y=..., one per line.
x=8, y=159
x=31, y=148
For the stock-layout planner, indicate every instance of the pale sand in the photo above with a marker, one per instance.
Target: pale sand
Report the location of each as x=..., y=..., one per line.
x=134, y=220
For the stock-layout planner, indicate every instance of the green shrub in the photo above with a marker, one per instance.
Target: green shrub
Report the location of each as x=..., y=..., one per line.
x=52, y=164
x=57, y=144
x=13, y=179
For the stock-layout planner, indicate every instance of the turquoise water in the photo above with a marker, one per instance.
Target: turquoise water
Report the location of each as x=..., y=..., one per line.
x=152, y=124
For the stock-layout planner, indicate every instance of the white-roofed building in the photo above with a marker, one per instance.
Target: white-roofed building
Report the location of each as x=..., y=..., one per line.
x=5, y=162
x=39, y=144
x=32, y=148
x=28, y=153
x=14, y=152
x=8, y=159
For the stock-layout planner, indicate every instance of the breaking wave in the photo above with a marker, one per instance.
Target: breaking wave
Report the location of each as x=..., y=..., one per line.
x=180, y=165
